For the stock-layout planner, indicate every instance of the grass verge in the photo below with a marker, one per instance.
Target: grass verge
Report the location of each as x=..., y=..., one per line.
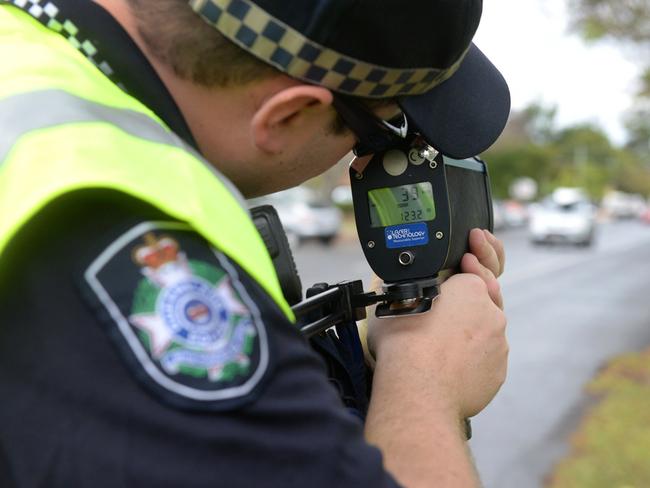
x=611, y=448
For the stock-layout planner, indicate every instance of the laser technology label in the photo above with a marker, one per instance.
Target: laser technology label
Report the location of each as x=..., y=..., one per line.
x=406, y=235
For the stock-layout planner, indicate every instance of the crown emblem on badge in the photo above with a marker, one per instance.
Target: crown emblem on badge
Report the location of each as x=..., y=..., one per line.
x=156, y=251
x=161, y=260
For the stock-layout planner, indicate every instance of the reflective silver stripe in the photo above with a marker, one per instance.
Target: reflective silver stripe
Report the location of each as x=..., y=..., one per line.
x=27, y=112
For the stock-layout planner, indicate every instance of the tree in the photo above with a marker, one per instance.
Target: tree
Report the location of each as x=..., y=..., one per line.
x=534, y=124
x=581, y=155
x=585, y=158
x=637, y=124
x=626, y=22
x=622, y=20
x=507, y=164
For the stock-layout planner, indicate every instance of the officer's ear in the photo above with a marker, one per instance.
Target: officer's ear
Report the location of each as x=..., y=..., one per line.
x=290, y=117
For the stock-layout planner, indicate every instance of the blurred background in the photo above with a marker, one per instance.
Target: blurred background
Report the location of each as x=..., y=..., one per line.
x=570, y=180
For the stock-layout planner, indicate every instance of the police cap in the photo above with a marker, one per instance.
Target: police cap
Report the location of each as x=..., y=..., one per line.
x=418, y=52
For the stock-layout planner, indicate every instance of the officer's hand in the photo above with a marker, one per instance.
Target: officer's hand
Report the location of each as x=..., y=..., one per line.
x=486, y=259
x=456, y=354
x=488, y=249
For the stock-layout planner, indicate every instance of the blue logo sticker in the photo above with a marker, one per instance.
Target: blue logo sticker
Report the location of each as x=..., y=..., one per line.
x=406, y=235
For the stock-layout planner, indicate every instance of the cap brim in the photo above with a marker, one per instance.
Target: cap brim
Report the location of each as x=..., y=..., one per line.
x=465, y=114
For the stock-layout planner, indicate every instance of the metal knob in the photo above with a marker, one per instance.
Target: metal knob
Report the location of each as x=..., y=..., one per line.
x=405, y=258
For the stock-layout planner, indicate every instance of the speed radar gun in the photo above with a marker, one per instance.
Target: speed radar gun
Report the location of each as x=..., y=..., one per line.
x=414, y=208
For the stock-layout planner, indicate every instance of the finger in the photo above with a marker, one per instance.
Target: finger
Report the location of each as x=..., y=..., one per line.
x=471, y=264
x=375, y=283
x=494, y=289
x=480, y=247
x=497, y=245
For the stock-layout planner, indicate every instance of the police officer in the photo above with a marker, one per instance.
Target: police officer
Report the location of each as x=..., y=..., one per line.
x=145, y=340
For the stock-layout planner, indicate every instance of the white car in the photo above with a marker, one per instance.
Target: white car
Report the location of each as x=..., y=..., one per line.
x=498, y=215
x=303, y=216
x=568, y=220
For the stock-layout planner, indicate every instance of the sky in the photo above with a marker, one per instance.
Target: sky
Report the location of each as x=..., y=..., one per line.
x=528, y=40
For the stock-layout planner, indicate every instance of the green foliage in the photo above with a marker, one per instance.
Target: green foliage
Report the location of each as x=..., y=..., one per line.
x=626, y=22
x=581, y=155
x=540, y=122
x=610, y=447
x=509, y=164
x=630, y=176
x=622, y=20
x=583, y=144
x=592, y=30
x=638, y=128
x=644, y=91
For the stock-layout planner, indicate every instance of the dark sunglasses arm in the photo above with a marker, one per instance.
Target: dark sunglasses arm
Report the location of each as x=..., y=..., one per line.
x=371, y=134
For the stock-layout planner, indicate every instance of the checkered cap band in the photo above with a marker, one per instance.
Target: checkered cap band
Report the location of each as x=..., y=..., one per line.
x=280, y=45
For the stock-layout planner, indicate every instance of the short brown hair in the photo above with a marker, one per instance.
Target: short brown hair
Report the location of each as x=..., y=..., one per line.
x=197, y=52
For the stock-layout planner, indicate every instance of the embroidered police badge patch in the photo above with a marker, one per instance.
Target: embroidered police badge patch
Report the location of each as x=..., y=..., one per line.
x=182, y=315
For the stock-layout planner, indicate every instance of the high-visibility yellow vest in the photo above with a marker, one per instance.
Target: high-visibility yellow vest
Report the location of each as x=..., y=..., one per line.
x=64, y=126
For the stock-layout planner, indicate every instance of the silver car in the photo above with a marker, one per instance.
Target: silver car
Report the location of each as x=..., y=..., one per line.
x=567, y=217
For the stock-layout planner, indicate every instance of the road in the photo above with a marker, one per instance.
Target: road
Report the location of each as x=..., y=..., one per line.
x=569, y=310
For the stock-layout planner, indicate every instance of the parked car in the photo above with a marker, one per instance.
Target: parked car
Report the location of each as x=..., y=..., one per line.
x=645, y=216
x=515, y=213
x=621, y=205
x=498, y=215
x=303, y=215
x=565, y=216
